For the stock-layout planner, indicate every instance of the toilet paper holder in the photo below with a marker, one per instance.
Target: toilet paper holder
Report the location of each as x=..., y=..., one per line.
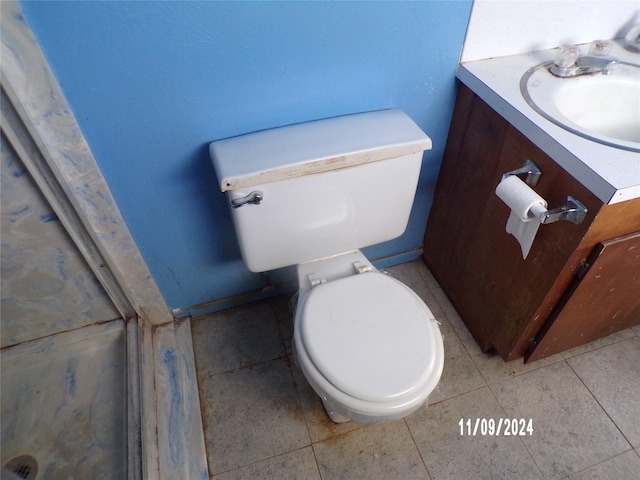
x=572, y=211
x=530, y=169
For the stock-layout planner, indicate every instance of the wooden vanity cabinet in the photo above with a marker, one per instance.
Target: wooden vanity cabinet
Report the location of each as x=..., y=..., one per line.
x=529, y=306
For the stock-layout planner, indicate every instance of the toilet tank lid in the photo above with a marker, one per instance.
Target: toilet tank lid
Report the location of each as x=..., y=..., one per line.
x=315, y=147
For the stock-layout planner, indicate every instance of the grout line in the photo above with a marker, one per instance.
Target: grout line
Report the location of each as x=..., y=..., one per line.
x=415, y=444
x=615, y=424
x=259, y=461
x=595, y=349
x=248, y=366
x=316, y=460
x=605, y=460
x=519, y=374
x=519, y=437
x=456, y=396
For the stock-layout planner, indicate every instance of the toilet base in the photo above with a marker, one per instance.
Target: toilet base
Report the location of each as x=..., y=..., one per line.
x=333, y=415
x=337, y=417
x=340, y=414
x=331, y=411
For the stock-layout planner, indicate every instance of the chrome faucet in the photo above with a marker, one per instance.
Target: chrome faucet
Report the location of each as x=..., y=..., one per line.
x=570, y=63
x=632, y=38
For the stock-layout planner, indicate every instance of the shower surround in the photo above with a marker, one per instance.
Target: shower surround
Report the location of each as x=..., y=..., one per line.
x=98, y=380
x=64, y=358
x=64, y=404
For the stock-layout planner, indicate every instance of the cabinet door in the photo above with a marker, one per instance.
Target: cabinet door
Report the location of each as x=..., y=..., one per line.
x=603, y=299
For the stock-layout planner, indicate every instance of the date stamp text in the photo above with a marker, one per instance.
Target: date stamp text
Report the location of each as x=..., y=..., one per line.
x=495, y=427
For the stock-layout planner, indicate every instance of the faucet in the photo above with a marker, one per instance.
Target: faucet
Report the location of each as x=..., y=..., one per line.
x=570, y=63
x=632, y=38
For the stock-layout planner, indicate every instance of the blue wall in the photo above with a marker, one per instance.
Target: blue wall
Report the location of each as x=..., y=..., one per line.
x=153, y=83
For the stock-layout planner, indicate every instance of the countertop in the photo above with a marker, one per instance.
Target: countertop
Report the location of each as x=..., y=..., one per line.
x=612, y=174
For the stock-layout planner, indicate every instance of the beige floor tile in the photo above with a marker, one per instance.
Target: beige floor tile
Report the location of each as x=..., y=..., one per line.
x=625, y=466
x=285, y=325
x=452, y=454
x=602, y=342
x=296, y=465
x=458, y=325
x=282, y=305
x=260, y=415
x=494, y=369
x=251, y=414
x=236, y=338
x=612, y=374
x=571, y=432
x=427, y=275
x=410, y=275
x=460, y=375
x=444, y=302
x=318, y=422
x=384, y=451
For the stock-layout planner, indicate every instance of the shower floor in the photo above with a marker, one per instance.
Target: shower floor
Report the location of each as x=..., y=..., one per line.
x=64, y=405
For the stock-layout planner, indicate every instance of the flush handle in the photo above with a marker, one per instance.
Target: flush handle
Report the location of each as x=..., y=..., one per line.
x=254, y=198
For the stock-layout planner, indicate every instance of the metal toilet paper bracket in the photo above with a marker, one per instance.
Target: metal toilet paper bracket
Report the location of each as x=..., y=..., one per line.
x=572, y=211
x=530, y=169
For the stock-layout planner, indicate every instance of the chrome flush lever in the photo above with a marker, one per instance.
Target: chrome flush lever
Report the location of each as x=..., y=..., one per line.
x=254, y=198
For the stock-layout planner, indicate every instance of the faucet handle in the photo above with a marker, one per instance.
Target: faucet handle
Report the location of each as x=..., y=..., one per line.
x=632, y=38
x=566, y=56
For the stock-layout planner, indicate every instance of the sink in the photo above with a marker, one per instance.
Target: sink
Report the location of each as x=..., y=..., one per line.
x=601, y=108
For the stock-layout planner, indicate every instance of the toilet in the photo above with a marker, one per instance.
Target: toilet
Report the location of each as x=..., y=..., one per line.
x=312, y=195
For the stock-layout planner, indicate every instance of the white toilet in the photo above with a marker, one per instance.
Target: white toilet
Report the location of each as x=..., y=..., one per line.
x=312, y=195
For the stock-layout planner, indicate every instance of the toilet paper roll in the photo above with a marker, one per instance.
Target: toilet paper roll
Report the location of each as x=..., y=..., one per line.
x=526, y=207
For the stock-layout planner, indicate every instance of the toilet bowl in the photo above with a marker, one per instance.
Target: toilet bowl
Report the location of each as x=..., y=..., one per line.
x=366, y=343
x=312, y=195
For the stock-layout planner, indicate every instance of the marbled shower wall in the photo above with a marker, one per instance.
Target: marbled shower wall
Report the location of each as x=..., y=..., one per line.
x=47, y=287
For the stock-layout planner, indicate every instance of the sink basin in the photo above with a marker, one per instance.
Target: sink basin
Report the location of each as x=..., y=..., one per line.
x=602, y=108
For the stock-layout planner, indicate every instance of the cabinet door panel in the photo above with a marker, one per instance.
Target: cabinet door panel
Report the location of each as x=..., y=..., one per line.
x=604, y=300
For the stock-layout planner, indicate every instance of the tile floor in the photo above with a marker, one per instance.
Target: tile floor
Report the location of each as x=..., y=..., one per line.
x=262, y=420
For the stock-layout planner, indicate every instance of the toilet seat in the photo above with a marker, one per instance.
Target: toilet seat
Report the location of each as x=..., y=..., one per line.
x=372, y=338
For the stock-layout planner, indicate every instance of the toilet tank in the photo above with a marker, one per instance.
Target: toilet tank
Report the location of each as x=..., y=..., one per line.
x=312, y=190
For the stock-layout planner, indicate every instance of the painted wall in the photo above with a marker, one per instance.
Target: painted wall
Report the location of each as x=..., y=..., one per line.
x=498, y=28
x=153, y=83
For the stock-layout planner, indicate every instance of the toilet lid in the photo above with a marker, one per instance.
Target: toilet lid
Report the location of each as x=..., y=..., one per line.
x=370, y=336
